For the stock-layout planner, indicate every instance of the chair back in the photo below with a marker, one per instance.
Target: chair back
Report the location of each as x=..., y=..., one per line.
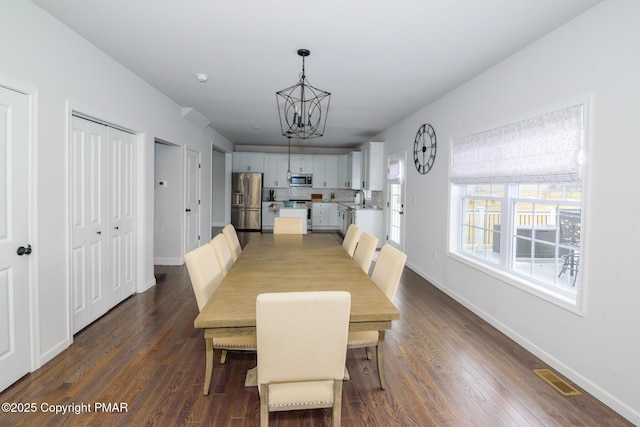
x=229, y=233
x=204, y=272
x=302, y=336
x=351, y=239
x=287, y=225
x=223, y=253
x=365, y=250
x=388, y=270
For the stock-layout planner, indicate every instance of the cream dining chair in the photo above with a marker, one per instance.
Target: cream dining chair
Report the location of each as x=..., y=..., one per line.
x=351, y=239
x=302, y=347
x=229, y=233
x=287, y=225
x=386, y=275
x=205, y=274
x=363, y=254
x=223, y=253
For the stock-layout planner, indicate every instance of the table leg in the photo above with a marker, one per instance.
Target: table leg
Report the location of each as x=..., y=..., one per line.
x=208, y=372
x=380, y=359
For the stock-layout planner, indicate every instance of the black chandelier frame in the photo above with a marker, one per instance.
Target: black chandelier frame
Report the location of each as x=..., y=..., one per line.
x=303, y=108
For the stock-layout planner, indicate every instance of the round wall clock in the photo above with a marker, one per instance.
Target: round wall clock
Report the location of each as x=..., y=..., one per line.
x=424, y=148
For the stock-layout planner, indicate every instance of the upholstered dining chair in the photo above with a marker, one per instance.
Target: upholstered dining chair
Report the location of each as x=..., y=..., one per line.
x=386, y=275
x=223, y=253
x=286, y=225
x=205, y=274
x=229, y=233
x=351, y=239
x=302, y=346
x=363, y=254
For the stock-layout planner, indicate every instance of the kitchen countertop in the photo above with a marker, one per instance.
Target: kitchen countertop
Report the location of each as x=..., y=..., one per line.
x=346, y=204
x=351, y=205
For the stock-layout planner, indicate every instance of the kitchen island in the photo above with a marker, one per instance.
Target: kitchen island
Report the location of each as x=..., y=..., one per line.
x=296, y=212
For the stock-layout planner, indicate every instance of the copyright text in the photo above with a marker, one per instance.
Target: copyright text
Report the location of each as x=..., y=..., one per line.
x=69, y=408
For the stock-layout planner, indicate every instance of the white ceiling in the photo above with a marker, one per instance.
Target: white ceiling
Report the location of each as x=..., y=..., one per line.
x=381, y=60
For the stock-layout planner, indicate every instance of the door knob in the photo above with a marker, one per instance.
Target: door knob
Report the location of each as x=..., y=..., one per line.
x=117, y=228
x=188, y=210
x=24, y=251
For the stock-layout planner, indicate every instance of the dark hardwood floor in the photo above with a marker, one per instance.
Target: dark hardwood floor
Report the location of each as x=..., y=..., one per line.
x=444, y=367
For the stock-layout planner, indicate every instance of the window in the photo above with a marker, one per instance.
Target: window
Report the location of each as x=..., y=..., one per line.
x=517, y=195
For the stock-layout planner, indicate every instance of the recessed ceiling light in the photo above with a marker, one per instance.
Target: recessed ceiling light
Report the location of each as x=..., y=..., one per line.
x=202, y=78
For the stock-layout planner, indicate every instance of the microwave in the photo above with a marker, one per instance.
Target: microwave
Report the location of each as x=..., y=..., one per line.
x=301, y=180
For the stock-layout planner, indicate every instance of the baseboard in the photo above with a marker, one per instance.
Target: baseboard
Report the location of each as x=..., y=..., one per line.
x=168, y=261
x=150, y=284
x=598, y=392
x=53, y=352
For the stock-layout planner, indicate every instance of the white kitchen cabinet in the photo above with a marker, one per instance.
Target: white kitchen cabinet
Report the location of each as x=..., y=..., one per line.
x=344, y=171
x=324, y=216
x=355, y=159
x=302, y=163
x=348, y=172
x=275, y=171
x=370, y=220
x=372, y=166
x=333, y=215
x=248, y=162
x=325, y=171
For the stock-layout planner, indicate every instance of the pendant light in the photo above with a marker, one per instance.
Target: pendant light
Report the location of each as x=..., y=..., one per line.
x=289, y=167
x=303, y=108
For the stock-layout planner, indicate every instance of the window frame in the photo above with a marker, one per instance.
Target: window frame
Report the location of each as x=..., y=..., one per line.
x=502, y=270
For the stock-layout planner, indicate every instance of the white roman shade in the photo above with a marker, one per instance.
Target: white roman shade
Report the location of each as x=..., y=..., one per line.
x=394, y=170
x=546, y=148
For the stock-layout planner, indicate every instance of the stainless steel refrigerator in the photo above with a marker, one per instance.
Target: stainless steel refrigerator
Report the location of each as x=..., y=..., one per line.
x=246, y=201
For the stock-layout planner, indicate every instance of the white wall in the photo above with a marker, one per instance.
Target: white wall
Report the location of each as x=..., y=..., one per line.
x=596, y=55
x=62, y=71
x=218, y=190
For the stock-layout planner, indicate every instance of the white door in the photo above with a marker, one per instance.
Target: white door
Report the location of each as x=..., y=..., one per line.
x=396, y=165
x=102, y=219
x=15, y=330
x=192, y=200
x=89, y=234
x=121, y=215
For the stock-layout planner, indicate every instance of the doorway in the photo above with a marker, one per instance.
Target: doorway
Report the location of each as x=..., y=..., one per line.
x=396, y=165
x=168, y=206
x=192, y=200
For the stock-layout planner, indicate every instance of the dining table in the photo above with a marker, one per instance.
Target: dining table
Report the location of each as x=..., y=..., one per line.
x=291, y=263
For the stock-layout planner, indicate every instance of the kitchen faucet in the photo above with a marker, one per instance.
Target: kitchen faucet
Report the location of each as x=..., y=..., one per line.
x=356, y=193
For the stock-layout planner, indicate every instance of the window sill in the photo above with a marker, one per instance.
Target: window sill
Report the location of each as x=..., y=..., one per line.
x=556, y=298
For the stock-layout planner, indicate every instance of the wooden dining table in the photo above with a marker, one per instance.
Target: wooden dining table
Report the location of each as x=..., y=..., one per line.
x=292, y=263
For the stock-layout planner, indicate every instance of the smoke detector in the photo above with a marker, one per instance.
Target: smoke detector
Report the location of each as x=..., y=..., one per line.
x=202, y=78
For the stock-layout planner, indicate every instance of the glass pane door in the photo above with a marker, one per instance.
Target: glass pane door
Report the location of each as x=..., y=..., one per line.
x=395, y=199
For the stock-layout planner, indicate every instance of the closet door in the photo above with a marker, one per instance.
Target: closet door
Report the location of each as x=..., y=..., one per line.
x=103, y=219
x=121, y=215
x=88, y=221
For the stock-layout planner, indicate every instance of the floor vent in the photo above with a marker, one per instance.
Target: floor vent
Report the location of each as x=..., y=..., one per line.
x=556, y=382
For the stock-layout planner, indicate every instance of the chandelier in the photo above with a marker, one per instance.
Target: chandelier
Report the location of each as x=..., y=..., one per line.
x=303, y=108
